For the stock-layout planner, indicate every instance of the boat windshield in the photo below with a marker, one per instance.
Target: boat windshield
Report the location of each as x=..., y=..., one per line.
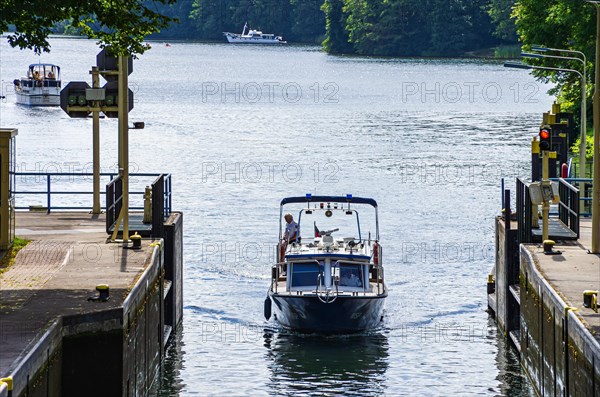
x=356, y=223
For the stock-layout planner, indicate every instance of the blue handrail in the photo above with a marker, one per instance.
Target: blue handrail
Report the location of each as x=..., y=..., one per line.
x=48, y=192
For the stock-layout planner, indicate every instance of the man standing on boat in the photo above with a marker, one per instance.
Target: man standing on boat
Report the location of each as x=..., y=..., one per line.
x=291, y=234
x=291, y=228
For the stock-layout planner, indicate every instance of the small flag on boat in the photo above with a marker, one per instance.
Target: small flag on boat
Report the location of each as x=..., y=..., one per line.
x=317, y=232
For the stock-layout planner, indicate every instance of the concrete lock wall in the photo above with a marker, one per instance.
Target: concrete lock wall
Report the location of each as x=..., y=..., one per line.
x=109, y=353
x=143, y=318
x=559, y=354
x=174, y=269
x=39, y=371
x=500, y=275
x=117, y=352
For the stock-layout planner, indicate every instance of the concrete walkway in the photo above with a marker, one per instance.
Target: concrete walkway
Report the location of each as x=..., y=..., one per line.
x=56, y=273
x=573, y=272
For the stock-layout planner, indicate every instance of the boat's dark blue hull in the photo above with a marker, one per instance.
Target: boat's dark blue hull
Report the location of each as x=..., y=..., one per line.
x=346, y=314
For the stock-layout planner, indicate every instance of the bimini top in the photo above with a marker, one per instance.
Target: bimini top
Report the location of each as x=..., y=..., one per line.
x=43, y=64
x=329, y=199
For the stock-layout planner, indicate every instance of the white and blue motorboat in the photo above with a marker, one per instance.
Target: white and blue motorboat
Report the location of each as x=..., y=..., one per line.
x=329, y=278
x=41, y=86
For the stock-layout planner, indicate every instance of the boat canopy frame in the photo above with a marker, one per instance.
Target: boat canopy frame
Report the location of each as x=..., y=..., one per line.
x=329, y=199
x=349, y=199
x=43, y=67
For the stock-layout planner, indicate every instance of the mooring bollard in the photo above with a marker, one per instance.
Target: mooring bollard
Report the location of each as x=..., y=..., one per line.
x=590, y=299
x=549, y=248
x=137, y=241
x=103, y=293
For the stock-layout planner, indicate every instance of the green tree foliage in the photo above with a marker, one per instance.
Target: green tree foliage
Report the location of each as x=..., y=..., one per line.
x=295, y=20
x=362, y=23
x=367, y=27
x=307, y=21
x=120, y=24
x=451, y=27
x=416, y=27
x=209, y=18
x=500, y=12
x=182, y=26
x=559, y=24
x=336, y=40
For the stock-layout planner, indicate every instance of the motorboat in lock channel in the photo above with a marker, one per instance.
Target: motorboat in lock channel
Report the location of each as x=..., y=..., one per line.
x=325, y=283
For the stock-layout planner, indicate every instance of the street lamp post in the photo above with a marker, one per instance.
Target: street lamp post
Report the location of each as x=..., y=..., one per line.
x=517, y=65
x=596, y=173
x=583, y=136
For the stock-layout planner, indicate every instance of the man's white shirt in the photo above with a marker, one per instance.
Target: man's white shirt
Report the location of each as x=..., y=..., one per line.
x=291, y=230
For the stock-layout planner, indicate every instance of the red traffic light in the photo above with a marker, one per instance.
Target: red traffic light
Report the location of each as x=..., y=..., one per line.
x=545, y=138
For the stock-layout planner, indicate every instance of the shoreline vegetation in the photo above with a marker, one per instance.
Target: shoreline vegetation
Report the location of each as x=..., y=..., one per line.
x=496, y=52
x=492, y=29
x=389, y=28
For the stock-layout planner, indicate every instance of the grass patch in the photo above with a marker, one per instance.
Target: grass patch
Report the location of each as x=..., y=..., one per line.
x=9, y=257
x=507, y=51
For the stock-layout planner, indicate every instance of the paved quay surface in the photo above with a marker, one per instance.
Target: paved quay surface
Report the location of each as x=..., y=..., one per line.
x=574, y=271
x=56, y=273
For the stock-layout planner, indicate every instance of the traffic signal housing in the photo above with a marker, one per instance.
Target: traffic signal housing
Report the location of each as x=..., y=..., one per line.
x=545, y=138
x=72, y=96
x=111, y=101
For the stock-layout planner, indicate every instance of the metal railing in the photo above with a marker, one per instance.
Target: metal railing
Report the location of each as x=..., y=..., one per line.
x=327, y=295
x=114, y=201
x=585, y=196
x=50, y=193
x=524, y=212
x=161, y=201
x=48, y=178
x=568, y=207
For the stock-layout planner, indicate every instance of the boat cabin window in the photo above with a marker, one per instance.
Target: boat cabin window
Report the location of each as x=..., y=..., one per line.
x=351, y=276
x=305, y=274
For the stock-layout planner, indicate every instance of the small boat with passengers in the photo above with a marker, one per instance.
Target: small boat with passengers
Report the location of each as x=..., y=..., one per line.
x=253, y=37
x=325, y=283
x=41, y=86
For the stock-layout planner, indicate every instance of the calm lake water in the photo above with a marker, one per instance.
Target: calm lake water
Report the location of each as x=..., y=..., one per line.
x=241, y=127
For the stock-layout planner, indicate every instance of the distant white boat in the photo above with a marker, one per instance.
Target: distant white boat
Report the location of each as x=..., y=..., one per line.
x=41, y=86
x=253, y=37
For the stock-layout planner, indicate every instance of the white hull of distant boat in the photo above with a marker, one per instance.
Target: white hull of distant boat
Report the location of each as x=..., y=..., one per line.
x=41, y=86
x=38, y=97
x=253, y=37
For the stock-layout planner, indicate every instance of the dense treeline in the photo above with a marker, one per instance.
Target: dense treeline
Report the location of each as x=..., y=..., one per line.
x=366, y=27
x=296, y=20
x=369, y=27
x=409, y=27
